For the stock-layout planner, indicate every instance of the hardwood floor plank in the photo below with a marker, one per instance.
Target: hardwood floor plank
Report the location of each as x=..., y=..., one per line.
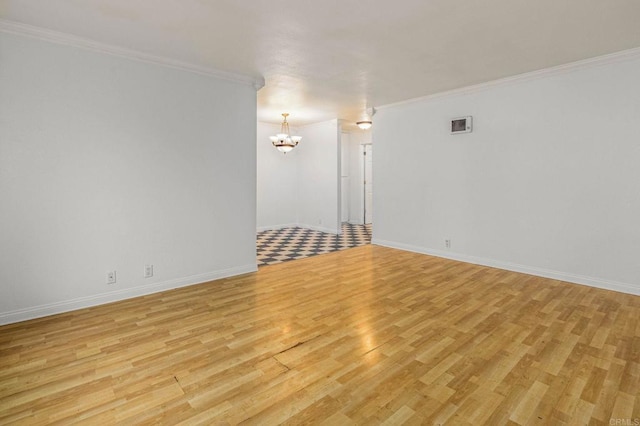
x=368, y=335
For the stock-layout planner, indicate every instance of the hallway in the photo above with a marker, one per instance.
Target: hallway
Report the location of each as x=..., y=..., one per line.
x=281, y=245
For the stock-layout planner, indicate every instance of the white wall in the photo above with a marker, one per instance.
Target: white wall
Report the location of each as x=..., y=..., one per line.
x=277, y=183
x=312, y=174
x=345, y=176
x=318, y=176
x=547, y=183
x=110, y=164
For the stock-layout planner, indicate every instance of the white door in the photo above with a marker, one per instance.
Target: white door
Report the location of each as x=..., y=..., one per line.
x=368, y=184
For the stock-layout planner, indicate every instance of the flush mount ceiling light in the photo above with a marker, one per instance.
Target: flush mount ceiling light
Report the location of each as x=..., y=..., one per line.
x=283, y=141
x=364, y=125
x=366, y=122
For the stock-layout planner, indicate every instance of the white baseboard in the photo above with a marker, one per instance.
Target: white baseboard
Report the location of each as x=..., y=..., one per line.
x=546, y=273
x=118, y=295
x=298, y=225
x=275, y=227
x=321, y=229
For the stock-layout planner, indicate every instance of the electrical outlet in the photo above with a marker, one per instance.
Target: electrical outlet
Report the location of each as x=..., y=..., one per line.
x=148, y=271
x=447, y=243
x=111, y=277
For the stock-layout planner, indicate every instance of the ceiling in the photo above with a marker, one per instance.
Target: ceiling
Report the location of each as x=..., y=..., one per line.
x=335, y=58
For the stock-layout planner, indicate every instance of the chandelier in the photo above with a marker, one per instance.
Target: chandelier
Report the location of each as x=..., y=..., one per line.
x=283, y=141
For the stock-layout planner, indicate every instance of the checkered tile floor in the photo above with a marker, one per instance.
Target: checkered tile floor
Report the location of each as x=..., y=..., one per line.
x=281, y=245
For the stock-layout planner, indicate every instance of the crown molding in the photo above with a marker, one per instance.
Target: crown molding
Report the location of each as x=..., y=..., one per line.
x=18, y=28
x=611, y=58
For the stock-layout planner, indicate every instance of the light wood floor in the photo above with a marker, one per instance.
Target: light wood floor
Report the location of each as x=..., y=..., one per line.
x=363, y=336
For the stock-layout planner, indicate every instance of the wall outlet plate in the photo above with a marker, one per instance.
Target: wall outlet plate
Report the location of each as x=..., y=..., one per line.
x=111, y=277
x=148, y=271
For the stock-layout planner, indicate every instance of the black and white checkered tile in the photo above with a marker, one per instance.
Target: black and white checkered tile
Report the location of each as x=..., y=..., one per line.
x=281, y=245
